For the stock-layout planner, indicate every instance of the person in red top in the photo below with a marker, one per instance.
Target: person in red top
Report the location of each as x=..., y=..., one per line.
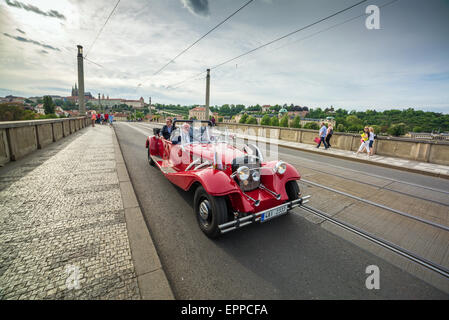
x=106, y=118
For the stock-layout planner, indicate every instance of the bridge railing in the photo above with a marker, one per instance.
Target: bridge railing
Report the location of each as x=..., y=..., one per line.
x=19, y=138
x=432, y=151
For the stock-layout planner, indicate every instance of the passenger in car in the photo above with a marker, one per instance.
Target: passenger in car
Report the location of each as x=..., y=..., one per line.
x=186, y=135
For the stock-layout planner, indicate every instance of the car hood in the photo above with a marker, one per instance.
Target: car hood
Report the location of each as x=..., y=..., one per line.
x=225, y=152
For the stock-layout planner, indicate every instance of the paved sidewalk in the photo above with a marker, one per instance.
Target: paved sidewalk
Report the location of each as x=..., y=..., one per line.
x=390, y=162
x=63, y=230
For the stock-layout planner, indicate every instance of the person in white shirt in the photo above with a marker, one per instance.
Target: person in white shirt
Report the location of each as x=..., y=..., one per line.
x=371, y=141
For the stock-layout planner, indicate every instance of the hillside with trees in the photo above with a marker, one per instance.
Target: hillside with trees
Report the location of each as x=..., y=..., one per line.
x=394, y=122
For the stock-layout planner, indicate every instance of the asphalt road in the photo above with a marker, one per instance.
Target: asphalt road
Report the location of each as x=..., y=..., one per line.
x=287, y=258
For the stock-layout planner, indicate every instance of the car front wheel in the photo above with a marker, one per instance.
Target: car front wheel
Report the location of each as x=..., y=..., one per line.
x=292, y=189
x=210, y=212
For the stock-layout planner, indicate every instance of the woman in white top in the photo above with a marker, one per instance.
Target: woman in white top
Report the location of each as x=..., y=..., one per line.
x=371, y=141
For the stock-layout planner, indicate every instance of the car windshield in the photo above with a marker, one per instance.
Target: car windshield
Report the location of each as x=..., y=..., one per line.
x=199, y=134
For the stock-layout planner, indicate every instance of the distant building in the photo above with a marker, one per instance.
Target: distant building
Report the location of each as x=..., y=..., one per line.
x=74, y=91
x=282, y=112
x=39, y=109
x=110, y=102
x=14, y=99
x=266, y=108
x=120, y=116
x=136, y=104
x=328, y=120
x=199, y=113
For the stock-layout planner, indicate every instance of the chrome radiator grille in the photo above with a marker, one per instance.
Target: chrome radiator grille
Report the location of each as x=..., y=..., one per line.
x=249, y=184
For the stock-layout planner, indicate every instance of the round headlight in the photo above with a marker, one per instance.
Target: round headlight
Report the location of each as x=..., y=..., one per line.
x=256, y=175
x=280, y=167
x=243, y=173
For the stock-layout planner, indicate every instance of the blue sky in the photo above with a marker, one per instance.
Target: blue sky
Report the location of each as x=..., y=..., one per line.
x=404, y=64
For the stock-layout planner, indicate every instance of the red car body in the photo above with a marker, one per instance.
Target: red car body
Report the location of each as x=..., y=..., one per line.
x=217, y=179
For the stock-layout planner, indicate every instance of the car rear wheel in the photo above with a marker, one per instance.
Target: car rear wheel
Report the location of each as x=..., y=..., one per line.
x=150, y=160
x=210, y=212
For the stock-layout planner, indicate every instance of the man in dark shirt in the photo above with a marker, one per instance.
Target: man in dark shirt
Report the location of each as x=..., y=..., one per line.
x=167, y=129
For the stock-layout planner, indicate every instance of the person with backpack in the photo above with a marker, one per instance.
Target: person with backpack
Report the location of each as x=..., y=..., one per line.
x=329, y=133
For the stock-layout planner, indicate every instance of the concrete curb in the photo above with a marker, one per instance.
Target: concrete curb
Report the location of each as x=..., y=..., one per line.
x=151, y=278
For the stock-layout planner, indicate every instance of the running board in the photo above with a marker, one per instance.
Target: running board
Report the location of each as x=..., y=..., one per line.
x=256, y=217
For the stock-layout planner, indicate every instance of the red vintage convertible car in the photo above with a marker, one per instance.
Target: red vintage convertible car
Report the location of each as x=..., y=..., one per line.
x=233, y=187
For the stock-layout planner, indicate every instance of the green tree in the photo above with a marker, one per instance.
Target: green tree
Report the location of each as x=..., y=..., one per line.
x=251, y=120
x=296, y=122
x=312, y=126
x=397, y=130
x=341, y=127
x=274, y=121
x=265, y=120
x=243, y=118
x=377, y=129
x=49, y=107
x=13, y=112
x=284, y=121
x=352, y=120
x=417, y=129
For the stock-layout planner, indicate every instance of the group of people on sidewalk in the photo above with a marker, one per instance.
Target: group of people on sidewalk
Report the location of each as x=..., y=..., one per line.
x=367, y=139
x=325, y=135
x=102, y=118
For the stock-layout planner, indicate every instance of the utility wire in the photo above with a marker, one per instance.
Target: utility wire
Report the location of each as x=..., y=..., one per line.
x=190, y=78
x=288, y=34
x=97, y=64
x=90, y=47
x=273, y=41
x=202, y=37
x=329, y=28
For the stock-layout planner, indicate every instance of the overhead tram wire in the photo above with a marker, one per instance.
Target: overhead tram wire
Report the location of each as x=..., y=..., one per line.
x=176, y=85
x=99, y=32
x=327, y=29
x=202, y=37
x=289, y=34
x=97, y=64
x=276, y=40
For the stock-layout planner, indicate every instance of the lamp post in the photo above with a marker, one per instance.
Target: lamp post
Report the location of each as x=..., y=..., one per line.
x=207, y=93
x=82, y=107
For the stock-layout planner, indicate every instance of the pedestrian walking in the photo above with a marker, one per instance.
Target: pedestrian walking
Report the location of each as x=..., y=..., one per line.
x=111, y=119
x=106, y=118
x=102, y=118
x=372, y=136
x=323, y=132
x=364, y=142
x=98, y=118
x=329, y=133
x=93, y=118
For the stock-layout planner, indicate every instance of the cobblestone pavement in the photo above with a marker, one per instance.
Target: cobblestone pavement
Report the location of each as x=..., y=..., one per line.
x=62, y=219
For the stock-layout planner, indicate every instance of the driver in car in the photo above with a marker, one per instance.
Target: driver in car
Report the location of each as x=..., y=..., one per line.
x=167, y=129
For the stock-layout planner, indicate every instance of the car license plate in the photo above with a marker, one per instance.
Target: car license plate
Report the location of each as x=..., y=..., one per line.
x=273, y=213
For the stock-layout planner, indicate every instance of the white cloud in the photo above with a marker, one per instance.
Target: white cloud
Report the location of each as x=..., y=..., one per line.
x=401, y=65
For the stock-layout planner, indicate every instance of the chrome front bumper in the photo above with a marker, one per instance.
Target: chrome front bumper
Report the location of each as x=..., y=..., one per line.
x=256, y=217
